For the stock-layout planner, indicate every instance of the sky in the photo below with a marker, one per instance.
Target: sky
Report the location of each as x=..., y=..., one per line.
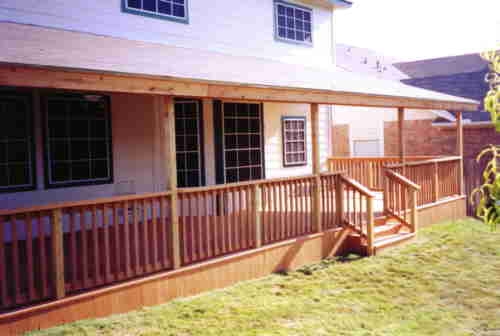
x=419, y=29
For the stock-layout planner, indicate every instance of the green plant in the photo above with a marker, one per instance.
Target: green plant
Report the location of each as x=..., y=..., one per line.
x=488, y=206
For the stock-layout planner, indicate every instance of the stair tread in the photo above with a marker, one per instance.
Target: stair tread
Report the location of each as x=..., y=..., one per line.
x=386, y=227
x=391, y=239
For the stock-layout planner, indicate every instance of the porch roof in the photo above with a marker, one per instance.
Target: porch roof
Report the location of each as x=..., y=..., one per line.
x=80, y=60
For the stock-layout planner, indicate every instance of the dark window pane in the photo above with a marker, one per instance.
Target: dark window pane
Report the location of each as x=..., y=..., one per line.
x=281, y=21
x=80, y=170
x=282, y=32
x=58, y=129
x=243, y=141
x=300, y=36
x=149, y=5
x=179, y=110
x=180, y=143
x=181, y=161
x=256, y=173
x=179, y=11
x=98, y=149
x=254, y=110
x=16, y=123
x=134, y=4
x=179, y=126
x=100, y=169
x=60, y=172
x=98, y=129
x=181, y=180
x=299, y=14
x=289, y=22
x=58, y=109
x=255, y=157
x=243, y=158
x=165, y=7
x=229, y=109
x=78, y=110
x=231, y=175
x=59, y=150
x=79, y=150
x=255, y=141
x=229, y=125
x=231, y=159
x=243, y=110
x=244, y=174
x=18, y=174
x=243, y=125
x=191, y=143
x=281, y=9
x=191, y=110
x=307, y=27
x=179, y=2
x=79, y=128
x=290, y=34
x=17, y=152
x=308, y=37
x=191, y=126
x=193, y=179
x=3, y=152
x=254, y=125
x=299, y=25
x=192, y=161
x=289, y=11
x=230, y=141
x=307, y=16
x=4, y=181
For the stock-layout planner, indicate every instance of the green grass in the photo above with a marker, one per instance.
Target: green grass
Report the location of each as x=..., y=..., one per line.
x=446, y=283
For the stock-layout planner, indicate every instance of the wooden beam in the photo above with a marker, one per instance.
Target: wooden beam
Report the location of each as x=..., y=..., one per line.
x=74, y=79
x=316, y=164
x=171, y=173
x=460, y=150
x=401, y=135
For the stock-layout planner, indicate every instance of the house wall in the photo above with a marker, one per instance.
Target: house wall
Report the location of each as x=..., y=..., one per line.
x=367, y=124
x=238, y=28
x=136, y=157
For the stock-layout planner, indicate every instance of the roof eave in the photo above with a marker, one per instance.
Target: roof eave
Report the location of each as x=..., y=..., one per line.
x=341, y=4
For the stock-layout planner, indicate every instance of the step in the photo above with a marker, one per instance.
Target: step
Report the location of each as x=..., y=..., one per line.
x=385, y=242
x=387, y=229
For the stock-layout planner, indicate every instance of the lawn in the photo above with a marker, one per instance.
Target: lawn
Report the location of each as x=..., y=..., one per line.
x=446, y=283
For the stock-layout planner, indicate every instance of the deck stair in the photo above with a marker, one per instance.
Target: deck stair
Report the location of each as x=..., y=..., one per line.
x=390, y=232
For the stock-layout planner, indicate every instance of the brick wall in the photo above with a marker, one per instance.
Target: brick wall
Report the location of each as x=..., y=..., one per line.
x=421, y=138
x=340, y=140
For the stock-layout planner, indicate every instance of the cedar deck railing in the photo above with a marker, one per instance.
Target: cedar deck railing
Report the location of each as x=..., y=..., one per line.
x=368, y=171
x=400, y=199
x=53, y=251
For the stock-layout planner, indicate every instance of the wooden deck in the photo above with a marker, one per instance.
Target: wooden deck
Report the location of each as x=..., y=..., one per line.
x=71, y=257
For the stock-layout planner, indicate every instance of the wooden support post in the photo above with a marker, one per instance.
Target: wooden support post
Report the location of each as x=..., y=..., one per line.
x=414, y=212
x=58, y=254
x=370, y=175
x=435, y=183
x=402, y=149
x=370, y=226
x=257, y=214
x=339, y=200
x=171, y=173
x=316, y=167
x=460, y=151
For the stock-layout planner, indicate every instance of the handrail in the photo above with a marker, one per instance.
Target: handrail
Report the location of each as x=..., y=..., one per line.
x=73, y=204
x=402, y=179
x=418, y=163
x=380, y=158
x=361, y=188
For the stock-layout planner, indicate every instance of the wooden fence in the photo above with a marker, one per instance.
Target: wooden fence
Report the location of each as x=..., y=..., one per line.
x=58, y=250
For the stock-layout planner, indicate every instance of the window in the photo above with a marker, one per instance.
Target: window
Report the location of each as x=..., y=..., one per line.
x=188, y=140
x=16, y=143
x=293, y=23
x=239, y=142
x=176, y=10
x=78, y=140
x=294, y=141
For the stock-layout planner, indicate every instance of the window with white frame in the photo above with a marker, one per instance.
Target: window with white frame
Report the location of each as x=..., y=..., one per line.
x=293, y=22
x=294, y=141
x=16, y=143
x=169, y=9
x=77, y=140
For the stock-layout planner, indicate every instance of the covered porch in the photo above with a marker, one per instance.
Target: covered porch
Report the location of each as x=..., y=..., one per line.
x=196, y=228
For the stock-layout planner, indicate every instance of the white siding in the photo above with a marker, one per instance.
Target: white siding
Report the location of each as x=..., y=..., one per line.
x=233, y=27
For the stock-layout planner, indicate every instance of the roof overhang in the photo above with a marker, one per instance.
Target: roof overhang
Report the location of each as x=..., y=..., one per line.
x=51, y=58
x=338, y=4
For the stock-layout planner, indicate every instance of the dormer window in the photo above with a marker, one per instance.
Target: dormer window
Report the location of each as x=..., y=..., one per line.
x=293, y=23
x=176, y=10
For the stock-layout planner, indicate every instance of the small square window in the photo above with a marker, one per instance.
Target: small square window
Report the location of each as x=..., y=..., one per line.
x=294, y=141
x=169, y=9
x=293, y=22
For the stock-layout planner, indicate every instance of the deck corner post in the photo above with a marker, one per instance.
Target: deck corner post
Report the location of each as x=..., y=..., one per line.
x=171, y=174
x=339, y=200
x=370, y=238
x=316, y=165
x=435, y=182
x=414, y=211
x=58, y=253
x=257, y=214
x=318, y=226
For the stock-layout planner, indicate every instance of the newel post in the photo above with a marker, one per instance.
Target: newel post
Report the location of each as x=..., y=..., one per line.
x=57, y=253
x=370, y=235
x=257, y=213
x=414, y=212
x=460, y=152
x=316, y=205
x=171, y=173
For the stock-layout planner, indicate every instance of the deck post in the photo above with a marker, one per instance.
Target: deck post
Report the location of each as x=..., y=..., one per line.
x=402, y=149
x=316, y=206
x=435, y=183
x=339, y=200
x=369, y=226
x=460, y=151
x=58, y=253
x=414, y=212
x=171, y=173
x=257, y=213
x=370, y=176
